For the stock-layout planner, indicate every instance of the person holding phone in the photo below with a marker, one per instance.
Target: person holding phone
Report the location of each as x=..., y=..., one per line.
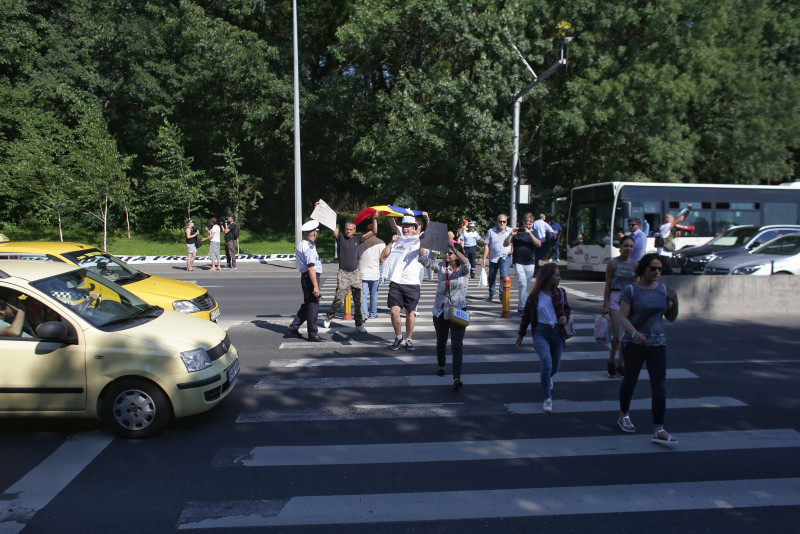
x=525, y=246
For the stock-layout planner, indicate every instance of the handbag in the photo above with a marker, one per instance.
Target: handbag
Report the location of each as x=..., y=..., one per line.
x=459, y=317
x=484, y=281
x=601, y=331
x=569, y=328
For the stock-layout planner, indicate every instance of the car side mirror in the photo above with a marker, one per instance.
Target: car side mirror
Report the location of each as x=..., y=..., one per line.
x=754, y=244
x=53, y=331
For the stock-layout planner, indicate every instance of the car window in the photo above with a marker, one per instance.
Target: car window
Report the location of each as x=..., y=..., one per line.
x=25, y=256
x=765, y=236
x=106, y=265
x=34, y=313
x=784, y=246
x=96, y=300
x=734, y=237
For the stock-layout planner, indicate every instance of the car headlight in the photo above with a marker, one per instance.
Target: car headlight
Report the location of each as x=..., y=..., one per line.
x=195, y=360
x=705, y=259
x=185, y=306
x=750, y=269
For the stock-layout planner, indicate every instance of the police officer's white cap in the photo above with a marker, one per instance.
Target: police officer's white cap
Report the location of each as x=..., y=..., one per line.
x=310, y=226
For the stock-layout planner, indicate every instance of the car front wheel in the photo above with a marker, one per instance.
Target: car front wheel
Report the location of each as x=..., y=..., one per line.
x=135, y=408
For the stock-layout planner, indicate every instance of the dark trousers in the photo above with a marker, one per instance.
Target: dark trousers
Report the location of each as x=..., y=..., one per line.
x=656, y=358
x=472, y=256
x=230, y=252
x=310, y=308
x=444, y=328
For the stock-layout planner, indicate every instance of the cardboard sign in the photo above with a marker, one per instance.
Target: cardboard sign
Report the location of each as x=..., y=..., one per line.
x=435, y=237
x=325, y=215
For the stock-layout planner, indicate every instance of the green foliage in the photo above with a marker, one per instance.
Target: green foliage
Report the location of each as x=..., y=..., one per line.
x=156, y=110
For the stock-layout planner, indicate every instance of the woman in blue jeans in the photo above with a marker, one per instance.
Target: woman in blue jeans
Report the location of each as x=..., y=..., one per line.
x=548, y=311
x=641, y=306
x=524, y=253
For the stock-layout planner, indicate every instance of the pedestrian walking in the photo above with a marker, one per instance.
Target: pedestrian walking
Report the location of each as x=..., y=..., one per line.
x=525, y=246
x=369, y=264
x=497, y=254
x=541, y=230
x=620, y=272
x=548, y=312
x=451, y=292
x=639, y=239
x=191, y=244
x=469, y=239
x=348, y=278
x=401, y=267
x=310, y=267
x=554, y=241
x=642, y=305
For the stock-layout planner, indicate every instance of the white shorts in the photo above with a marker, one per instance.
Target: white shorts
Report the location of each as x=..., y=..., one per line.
x=191, y=249
x=613, y=299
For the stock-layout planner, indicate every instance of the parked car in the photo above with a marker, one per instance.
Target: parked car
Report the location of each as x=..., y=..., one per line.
x=172, y=294
x=735, y=240
x=73, y=344
x=779, y=256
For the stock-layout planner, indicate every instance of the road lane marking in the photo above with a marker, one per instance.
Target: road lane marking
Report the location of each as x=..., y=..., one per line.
x=458, y=451
x=362, y=343
x=392, y=359
x=491, y=503
x=433, y=380
x=20, y=502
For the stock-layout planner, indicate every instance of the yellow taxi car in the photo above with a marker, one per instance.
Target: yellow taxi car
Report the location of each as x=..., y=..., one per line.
x=176, y=295
x=74, y=344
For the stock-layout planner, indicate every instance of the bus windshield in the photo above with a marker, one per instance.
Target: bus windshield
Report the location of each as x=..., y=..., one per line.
x=590, y=217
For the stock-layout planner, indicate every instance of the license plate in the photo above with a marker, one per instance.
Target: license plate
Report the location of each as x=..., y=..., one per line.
x=233, y=371
x=587, y=268
x=214, y=315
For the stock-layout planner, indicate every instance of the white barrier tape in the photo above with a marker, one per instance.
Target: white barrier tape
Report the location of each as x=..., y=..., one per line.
x=260, y=258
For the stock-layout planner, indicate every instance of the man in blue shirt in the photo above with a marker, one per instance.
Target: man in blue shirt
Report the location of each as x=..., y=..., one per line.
x=469, y=239
x=497, y=253
x=639, y=239
x=310, y=267
x=553, y=239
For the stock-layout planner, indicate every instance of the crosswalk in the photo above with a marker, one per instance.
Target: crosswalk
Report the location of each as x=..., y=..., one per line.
x=351, y=405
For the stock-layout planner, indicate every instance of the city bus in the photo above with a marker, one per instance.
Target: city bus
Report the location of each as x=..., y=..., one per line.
x=599, y=214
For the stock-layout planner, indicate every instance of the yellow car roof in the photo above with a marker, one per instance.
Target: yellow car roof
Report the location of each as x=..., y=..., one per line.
x=43, y=247
x=33, y=270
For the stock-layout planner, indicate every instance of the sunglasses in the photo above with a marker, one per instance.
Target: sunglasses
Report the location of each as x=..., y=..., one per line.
x=502, y=222
x=632, y=224
x=652, y=268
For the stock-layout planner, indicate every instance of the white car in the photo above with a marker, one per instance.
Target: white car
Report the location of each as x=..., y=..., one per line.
x=779, y=256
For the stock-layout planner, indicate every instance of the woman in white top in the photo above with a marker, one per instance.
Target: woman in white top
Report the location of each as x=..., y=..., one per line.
x=213, y=248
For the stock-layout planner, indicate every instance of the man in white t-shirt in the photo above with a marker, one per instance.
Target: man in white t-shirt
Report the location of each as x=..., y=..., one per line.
x=401, y=267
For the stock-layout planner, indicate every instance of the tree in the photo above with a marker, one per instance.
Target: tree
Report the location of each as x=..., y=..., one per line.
x=242, y=190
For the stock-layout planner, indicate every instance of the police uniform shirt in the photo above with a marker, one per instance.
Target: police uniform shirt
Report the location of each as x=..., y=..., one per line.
x=306, y=254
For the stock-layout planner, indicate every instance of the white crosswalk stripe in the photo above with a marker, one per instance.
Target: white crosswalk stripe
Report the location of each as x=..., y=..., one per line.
x=354, y=379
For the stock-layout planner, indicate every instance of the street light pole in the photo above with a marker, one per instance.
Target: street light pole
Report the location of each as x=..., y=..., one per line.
x=298, y=201
x=560, y=63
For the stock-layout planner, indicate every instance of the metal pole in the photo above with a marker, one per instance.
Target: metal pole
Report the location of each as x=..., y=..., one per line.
x=298, y=201
x=512, y=212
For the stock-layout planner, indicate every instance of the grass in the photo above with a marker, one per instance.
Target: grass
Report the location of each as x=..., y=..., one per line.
x=166, y=242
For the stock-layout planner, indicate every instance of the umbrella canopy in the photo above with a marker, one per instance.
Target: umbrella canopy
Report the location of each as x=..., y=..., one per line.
x=394, y=211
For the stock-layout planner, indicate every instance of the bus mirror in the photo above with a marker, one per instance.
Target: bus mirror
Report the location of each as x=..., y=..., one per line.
x=626, y=209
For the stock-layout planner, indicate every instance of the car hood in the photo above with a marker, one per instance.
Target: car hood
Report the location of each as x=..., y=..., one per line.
x=163, y=291
x=744, y=260
x=702, y=250
x=177, y=331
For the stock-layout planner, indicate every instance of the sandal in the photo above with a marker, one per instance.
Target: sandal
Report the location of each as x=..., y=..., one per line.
x=625, y=424
x=440, y=371
x=663, y=437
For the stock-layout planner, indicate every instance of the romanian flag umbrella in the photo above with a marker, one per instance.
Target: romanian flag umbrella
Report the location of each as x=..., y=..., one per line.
x=394, y=211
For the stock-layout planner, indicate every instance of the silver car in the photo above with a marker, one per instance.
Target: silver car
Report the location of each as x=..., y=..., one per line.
x=779, y=256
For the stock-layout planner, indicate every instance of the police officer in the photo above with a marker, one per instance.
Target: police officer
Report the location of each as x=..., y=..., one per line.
x=310, y=267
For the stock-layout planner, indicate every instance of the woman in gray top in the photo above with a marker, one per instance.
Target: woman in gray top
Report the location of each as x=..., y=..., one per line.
x=641, y=307
x=451, y=291
x=619, y=273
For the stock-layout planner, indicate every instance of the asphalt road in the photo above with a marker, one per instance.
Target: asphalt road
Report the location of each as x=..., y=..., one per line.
x=347, y=436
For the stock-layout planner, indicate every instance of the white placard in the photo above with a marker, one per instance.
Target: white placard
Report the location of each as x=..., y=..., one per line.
x=325, y=215
x=435, y=237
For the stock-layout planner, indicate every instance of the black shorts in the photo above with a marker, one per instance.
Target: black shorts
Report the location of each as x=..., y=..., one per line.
x=403, y=295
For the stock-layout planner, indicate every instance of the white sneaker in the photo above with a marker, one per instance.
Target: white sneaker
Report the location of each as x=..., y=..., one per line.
x=326, y=323
x=547, y=406
x=361, y=328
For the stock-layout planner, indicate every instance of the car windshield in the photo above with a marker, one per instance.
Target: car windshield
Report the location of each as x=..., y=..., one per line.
x=788, y=245
x=106, y=265
x=95, y=299
x=735, y=237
